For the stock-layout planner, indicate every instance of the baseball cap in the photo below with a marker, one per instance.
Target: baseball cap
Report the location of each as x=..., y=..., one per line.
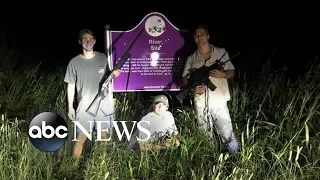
x=161, y=98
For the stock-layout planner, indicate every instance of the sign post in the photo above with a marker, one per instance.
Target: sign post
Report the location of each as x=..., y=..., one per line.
x=110, y=87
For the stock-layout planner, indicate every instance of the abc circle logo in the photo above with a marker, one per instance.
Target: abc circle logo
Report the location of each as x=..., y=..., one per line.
x=48, y=131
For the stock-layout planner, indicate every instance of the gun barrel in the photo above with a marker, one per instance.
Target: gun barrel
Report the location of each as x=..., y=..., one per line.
x=127, y=55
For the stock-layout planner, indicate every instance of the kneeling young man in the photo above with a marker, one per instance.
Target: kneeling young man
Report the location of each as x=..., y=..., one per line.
x=161, y=125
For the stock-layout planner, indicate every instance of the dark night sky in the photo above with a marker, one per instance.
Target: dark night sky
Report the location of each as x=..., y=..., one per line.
x=53, y=39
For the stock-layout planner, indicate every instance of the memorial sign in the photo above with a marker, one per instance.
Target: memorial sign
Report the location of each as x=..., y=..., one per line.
x=156, y=59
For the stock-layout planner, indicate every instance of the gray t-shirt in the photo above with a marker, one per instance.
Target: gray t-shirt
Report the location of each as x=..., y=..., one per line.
x=86, y=74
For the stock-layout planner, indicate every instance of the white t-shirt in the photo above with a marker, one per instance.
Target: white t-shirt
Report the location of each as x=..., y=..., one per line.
x=158, y=126
x=221, y=94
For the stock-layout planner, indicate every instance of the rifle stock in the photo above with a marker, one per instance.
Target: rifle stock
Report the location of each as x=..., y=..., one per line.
x=95, y=104
x=201, y=77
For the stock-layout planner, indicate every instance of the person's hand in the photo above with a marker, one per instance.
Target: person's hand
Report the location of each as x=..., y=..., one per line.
x=199, y=89
x=72, y=114
x=167, y=142
x=177, y=143
x=217, y=73
x=116, y=72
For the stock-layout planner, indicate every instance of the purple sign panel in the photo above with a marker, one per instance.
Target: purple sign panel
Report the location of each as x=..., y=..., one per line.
x=156, y=59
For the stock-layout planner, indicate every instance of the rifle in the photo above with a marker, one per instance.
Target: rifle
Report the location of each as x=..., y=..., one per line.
x=95, y=104
x=201, y=77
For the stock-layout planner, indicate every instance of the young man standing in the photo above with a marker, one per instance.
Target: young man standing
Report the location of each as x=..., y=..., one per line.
x=83, y=75
x=161, y=125
x=211, y=106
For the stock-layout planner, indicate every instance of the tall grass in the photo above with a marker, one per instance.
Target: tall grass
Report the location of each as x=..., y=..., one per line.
x=275, y=120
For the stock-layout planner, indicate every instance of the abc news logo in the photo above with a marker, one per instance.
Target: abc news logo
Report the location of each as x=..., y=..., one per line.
x=48, y=131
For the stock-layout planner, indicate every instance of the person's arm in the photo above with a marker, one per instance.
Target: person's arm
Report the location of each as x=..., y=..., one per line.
x=228, y=71
x=228, y=68
x=173, y=131
x=227, y=74
x=70, y=95
x=115, y=72
x=186, y=72
x=70, y=78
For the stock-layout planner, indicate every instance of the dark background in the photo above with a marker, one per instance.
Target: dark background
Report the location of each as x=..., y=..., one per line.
x=292, y=38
